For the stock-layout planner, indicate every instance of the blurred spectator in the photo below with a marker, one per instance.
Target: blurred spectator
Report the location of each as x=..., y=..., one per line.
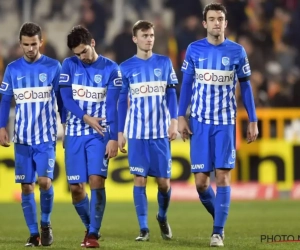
x=47, y=48
x=123, y=46
x=56, y=9
x=162, y=36
x=184, y=8
x=276, y=93
x=93, y=17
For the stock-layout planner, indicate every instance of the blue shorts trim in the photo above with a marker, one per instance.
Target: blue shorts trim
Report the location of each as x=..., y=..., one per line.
x=85, y=156
x=212, y=146
x=34, y=159
x=150, y=157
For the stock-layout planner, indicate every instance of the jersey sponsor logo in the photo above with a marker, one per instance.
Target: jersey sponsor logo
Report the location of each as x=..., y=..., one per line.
x=246, y=69
x=225, y=60
x=73, y=177
x=145, y=89
x=197, y=166
x=43, y=77
x=90, y=94
x=136, y=169
x=35, y=94
x=118, y=82
x=20, y=177
x=98, y=78
x=184, y=64
x=64, y=78
x=3, y=86
x=214, y=77
x=157, y=72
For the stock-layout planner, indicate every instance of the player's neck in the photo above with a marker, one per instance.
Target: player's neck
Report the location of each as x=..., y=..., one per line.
x=142, y=54
x=95, y=57
x=215, y=40
x=38, y=56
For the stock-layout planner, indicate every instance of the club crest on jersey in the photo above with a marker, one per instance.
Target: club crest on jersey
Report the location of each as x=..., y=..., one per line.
x=98, y=78
x=157, y=72
x=225, y=61
x=43, y=77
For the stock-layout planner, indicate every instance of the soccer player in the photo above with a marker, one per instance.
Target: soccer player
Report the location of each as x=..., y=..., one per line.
x=33, y=81
x=210, y=71
x=152, y=123
x=90, y=85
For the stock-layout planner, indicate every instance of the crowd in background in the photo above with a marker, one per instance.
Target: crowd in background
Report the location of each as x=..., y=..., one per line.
x=266, y=28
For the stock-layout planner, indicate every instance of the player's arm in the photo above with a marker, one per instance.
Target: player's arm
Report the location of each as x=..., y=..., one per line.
x=122, y=111
x=172, y=102
x=113, y=92
x=61, y=109
x=6, y=97
x=244, y=73
x=70, y=104
x=188, y=70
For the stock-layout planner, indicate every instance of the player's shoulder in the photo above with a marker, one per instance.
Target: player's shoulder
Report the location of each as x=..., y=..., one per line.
x=160, y=57
x=234, y=45
x=71, y=60
x=15, y=64
x=108, y=61
x=128, y=62
x=197, y=43
x=50, y=60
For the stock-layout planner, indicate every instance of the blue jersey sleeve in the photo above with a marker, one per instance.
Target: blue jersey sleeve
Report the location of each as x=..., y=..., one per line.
x=172, y=78
x=6, y=87
x=243, y=69
x=57, y=78
x=65, y=75
x=188, y=66
x=115, y=79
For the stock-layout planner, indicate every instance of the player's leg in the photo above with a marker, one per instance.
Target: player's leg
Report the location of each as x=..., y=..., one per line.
x=224, y=158
x=97, y=171
x=139, y=157
x=25, y=174
x=76, y=171
x=160, y=167
x=44, y=159
x=201, y=163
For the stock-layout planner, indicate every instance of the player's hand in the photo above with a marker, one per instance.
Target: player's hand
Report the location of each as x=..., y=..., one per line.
x=172, y=131
x=63, y=135
x=252, y=132
x=121, y=142
x=183, y=128
x=111, y=149
x=94, y=122
x=4, y=139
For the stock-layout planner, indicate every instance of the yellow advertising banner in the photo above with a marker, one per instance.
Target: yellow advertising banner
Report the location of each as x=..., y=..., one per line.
x=265, y=161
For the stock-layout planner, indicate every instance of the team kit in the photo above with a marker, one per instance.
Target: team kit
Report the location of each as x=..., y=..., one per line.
x=103, y=106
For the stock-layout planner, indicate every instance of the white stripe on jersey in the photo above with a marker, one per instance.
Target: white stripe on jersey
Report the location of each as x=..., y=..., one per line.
x=36, y=125
x=33, y=94
x=89, y=94
x=214, y=77
x=143, y=89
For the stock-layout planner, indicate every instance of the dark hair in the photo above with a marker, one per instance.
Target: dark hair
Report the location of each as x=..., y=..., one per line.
x=79, y=35
x=141, y=25
x=214, y=6
x=30, y=29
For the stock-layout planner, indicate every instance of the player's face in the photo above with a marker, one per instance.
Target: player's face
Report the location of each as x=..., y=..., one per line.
x=85, y=53
x=31, y=47
x=144, y=39
x=215, y=23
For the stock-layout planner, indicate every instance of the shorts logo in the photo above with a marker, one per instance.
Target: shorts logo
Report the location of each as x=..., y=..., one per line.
x=105, y=162
x=20, y=177
x=43, y=77
x=73, y=177
x=51, y=163
x=157, y=72
x=197, y=166
x=136, y=169
x=233, y=154
x=98, y=78
x=225, y=61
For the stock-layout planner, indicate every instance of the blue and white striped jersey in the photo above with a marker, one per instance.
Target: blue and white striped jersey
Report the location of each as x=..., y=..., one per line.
x=216, y=70
x=89, y=84
x=146, y=81
x=33, y=86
